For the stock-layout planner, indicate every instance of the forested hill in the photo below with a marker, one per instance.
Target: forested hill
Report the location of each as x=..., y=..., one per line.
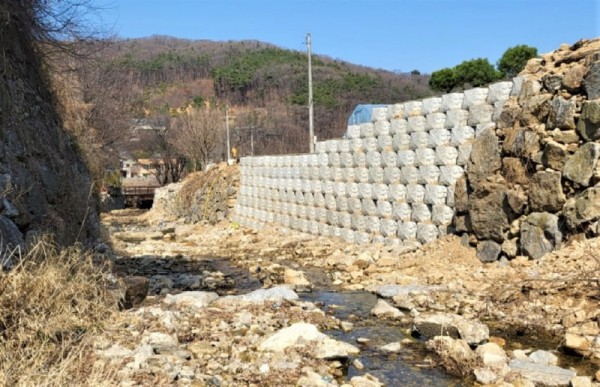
x=266, y=85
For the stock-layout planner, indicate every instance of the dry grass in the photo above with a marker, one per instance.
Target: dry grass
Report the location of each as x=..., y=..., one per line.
x=51, y=305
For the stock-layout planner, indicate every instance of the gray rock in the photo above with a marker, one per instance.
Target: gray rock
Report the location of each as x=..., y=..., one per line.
x=543, y=357
x=195, y=299
x=116, y=351
x=290, y=336
x=592, y=82
x=546, y=192
x=453, y=325
x=488, y=211
x=582, y=208
x=488, y=251
x=562, y=114
x=580, y=166
x=588, y=125
x=8, y=209
x=330, y=349
x=395, y=347
x=160, y=340
x=555, y=155
x=491, y=354
x=484, y=160
x=540, y=234
x=277, y=293
x=552, y=82
x=384, y=310
x=544, y=375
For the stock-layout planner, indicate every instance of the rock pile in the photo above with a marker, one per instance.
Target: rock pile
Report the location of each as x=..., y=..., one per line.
x=532, y=179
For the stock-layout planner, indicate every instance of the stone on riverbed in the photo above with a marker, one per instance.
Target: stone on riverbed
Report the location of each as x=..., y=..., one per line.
x=384, y=310
x=543, y=375
x=330, y=349
x=455, y=326
x=274, y=294
x=366, y=380
x=290, y=336
x=195, y=299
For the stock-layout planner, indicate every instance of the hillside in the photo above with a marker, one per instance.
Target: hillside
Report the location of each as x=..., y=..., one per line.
x=266, y=85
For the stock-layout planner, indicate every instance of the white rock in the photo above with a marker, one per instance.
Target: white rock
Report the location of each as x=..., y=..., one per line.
x=435, y=194
x=456, y=118
x=398, y=126
x=412, y=108
x=402, y=211
x=194, y=299
x=446, y=155
x=474, y=97
x=419, y=140
x=384, y=310
x=543, y=357
x=491, y=354
x=499, y=91
x=395, y=347
x=295, y=334
x=435, y=121
x=426, y=232
x=424, y=156
x=420, y=213
x=116, y=351
x=431, y=105
x=330, y=349
x=452, y=101
x=159, y=340
x=439, y=137
x=416, y=124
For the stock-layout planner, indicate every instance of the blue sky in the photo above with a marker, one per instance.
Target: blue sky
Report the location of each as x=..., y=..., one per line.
x=391, y=34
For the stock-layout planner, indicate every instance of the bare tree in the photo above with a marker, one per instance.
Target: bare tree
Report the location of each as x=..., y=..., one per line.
x=169, y=164
x=197, y=133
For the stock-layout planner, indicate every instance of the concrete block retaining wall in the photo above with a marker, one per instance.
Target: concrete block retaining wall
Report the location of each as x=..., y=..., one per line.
x=390, y=180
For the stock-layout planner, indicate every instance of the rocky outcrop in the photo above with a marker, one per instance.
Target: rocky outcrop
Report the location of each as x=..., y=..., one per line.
x=532, y=178
x=45, y=186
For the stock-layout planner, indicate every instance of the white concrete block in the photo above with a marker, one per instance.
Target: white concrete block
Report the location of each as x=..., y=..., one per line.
x=353, y=131
x=452, y=101
x=324, y=229
x=321, y=213
x=324, y=173
x=382, y=128
x=391, y=175
x=309, y=199
x=409, y=175
x=428, y=174
x=425, y=156
x=427, y=232
x=360, y=159
x=395, y=111
x=343, y=145
x=446, y=155
x=374, y=159
x=397, y=192
x=339, y=188
x=365, y=190
x=412, y=108
x=441, y=215
x=416, y=124
x=474, y=97
x=314, y=173
x=406, y=158
x=517, y=84
x=380, y=191
x=480, y=114
x=499, y=91
x=449, y=174
x=323, y=159
x=498, y=108
x=362, y=238
x=367, y=130
x=379, y=113
x=431, y=105
x=313, y=227
x=456, y=117
x=334, y=159
x=439, y=137
x=369, y=207
x=435, y=121
x=362, y=175
x=450, y=196
x=301, y=212
x=319, y=199
x=371, y=144
x=376, y=175
x=398, y=126
x=419, y=140
x=349, y=175
x=346, y=160
x=345, y=220
x=373, y=224
x=359, y=222
x=320, y=147
x=337, y=173
x=389, y=227
x=407, y=231
x=389, y=159
x=316, y=186
x=384, y=209
x=420, y=212
x=352, y=190
x=341, y=204
x=401, y=141
x=435, y=194
x=415, y=193
x=354, y=205
x=462, y=135
x=330, y=202
x=348, y=235
x=357, y=145
x=385, y=143
x=332, y=217
x=327, y=187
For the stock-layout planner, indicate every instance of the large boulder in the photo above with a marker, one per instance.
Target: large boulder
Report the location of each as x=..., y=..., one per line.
x=541, y=374
x=562, y=113
x=545, y=192
x=579, y=168
x=193, y=299
x=290, y=336
x=592, y=82
x=488, y=251
x=588, y=125
x=554, y=156
x=453, y=325
x=582, y=208
x=488, y=211
x=485, y=157
x=540, y=234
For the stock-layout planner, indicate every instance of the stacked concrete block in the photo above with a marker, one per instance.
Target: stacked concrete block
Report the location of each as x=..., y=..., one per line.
x=390, y=180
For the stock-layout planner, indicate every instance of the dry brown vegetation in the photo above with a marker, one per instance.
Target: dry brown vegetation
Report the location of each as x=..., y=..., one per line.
x=51, y=305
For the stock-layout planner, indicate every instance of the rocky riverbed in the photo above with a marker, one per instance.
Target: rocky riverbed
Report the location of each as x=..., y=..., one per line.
x=217, y=313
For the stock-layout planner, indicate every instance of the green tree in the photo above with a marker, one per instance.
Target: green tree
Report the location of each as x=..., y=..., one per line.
x=475, y=72
x=443, y=80
x=514, y=59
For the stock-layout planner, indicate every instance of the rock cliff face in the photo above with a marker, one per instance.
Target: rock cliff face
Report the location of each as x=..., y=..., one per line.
x=44, y=184
x=541, y=178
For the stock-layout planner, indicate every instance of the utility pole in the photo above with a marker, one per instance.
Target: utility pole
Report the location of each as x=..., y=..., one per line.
x=227, y=129
x=311, y=129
